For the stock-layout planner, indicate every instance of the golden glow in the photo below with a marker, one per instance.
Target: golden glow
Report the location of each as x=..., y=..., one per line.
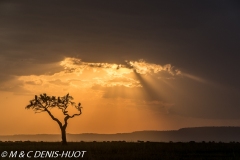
x=143, y=67
x=113, y=96
x=107, y=91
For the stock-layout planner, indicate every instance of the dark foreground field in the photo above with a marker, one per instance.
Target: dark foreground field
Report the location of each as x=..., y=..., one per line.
x=121, y=150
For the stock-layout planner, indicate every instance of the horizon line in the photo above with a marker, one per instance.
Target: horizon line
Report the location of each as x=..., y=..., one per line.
x=126, y=132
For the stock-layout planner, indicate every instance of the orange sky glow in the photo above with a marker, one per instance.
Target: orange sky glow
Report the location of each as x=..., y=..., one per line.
x=116, y=98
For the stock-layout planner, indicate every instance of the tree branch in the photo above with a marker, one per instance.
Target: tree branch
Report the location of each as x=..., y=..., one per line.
x=75, y=115
x=55, y=119
x=67, y=116
x=43, y=102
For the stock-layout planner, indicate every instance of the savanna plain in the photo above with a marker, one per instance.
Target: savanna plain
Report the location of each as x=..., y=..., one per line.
x=132, y=150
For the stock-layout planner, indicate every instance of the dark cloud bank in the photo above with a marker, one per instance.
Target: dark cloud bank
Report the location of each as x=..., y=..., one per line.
x=199, y=37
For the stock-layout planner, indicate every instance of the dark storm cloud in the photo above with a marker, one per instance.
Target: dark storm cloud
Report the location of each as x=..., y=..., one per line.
x=194, y=99
x=199, y=37
x=165, y=31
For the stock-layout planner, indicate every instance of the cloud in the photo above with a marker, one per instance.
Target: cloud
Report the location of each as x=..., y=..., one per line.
x=143, y=67
x=111, y=74
x=159, y=87
x=12, y=84
x=36, y=82
x=104, y=74
x=87, y=75
x=58, y=82
x=140, y=66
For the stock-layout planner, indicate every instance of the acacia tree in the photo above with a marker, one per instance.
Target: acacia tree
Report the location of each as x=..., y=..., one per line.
x=45, y=103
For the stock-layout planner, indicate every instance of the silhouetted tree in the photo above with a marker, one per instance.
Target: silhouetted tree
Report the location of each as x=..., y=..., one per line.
x=45, y=103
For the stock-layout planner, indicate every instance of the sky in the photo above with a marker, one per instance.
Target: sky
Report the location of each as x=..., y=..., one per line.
x=133, y=64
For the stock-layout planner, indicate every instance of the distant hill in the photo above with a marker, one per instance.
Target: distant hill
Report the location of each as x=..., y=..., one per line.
x=198, y=134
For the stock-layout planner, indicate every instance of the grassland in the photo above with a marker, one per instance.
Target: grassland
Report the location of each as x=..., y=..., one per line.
x=131, y=150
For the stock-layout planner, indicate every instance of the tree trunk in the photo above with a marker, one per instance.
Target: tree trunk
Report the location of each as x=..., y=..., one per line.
x=64, y=139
